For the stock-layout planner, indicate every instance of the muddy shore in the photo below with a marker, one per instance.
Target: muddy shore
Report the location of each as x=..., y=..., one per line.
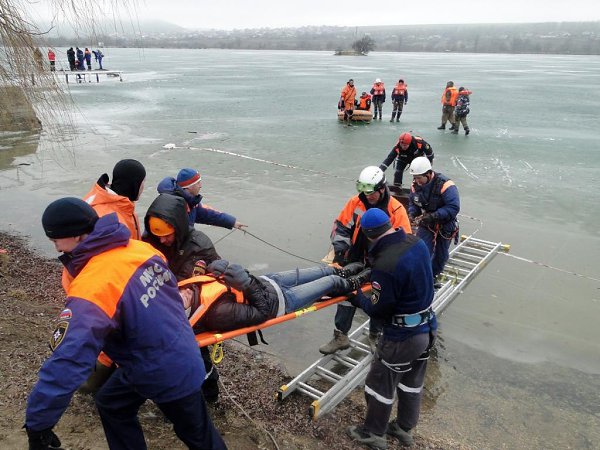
x=247, y=414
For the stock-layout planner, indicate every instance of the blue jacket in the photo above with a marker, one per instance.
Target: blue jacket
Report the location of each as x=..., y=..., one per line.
x=197, y=212
x=124, y=301
x=401, y=282
x=440, y=197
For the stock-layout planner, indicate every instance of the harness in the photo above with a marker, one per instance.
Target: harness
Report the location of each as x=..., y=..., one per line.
x=414, y=319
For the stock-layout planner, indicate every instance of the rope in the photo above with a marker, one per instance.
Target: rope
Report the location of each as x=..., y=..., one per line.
x=241, y=408
x=551, y=267
x=289, y=166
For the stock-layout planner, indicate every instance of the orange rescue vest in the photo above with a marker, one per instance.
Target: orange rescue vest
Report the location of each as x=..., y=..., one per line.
x=400, y=89
x=450, y=96
x=378, y=89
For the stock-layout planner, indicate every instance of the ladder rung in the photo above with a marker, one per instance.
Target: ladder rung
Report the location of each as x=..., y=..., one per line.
x=327, y=374
x=310, y=390
x=346, y=361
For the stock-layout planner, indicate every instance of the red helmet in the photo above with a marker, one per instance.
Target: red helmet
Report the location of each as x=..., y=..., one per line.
x=405, y=139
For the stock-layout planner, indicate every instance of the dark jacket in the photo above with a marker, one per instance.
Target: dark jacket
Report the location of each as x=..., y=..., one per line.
x=438, y=197
x=262, y=303
x=401, y=282
x=417, y=147
x=196, y=212
x=462, y=105
x=125, y=301
x=190, y=245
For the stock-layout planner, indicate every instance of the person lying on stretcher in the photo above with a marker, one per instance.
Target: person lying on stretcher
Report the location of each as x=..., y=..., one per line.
x=227, y=297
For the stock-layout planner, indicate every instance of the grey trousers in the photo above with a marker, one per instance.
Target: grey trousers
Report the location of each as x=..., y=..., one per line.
x=447, y=114
x=398, y=369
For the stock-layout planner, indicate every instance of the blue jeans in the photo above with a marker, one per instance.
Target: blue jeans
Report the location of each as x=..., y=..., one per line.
x=118, y=404
x=302, y=287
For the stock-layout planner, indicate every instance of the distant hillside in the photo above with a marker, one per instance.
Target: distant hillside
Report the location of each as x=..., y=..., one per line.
x=555, y=38
x=125, y=27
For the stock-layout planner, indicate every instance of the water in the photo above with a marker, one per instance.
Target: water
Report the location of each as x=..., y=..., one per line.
x=519, y=361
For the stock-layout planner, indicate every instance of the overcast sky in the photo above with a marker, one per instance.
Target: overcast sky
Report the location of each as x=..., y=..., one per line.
x=230, y=14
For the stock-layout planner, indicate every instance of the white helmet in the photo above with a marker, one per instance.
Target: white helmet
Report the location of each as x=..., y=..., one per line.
x=370, y=180
x=378, y=80
x=420, y=165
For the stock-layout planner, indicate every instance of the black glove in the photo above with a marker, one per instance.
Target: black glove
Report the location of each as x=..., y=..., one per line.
x=382, y=167
x=428, y=219
x=42, y=440
x=237, y=277
x=339, y=258
x=218, y=267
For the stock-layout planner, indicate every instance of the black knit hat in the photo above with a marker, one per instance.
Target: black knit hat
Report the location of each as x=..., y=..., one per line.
x=127, y=178
x=68, y=217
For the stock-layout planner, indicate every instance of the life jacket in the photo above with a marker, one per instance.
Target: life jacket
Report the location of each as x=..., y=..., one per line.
x=400, y=89
x=363, y=104
x=51, y=56
x=378, y=89
x=434, y=200
x=207, y=290
x=413, y=150
x=450, y=96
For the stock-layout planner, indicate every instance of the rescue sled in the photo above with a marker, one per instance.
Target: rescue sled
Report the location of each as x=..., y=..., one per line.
x=214, y=337
x=359, y=115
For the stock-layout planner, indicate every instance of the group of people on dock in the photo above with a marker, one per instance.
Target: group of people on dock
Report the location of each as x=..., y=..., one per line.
x=455, y=103
x=80, y=59
x=127, y=331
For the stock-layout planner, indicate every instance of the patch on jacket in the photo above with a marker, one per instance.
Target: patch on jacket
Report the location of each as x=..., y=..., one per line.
x=65, y=314
x=58, y=335
x=375, y=292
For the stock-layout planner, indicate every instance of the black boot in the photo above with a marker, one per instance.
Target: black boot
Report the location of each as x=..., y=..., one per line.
x=454, y=130
x=356, y=281
x=398, y=118
x=453, y=127
x=442, y=127
x=467, y=131
x=350, y=269
x=393, y=116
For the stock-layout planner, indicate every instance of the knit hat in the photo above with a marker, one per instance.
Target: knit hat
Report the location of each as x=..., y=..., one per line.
x=128, y=176
x=68, y=217
x=159, y=227
x=188, y=177
x=374, y=223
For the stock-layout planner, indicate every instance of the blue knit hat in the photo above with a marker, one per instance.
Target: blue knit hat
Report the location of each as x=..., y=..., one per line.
x=374, y=223
x=188, y=177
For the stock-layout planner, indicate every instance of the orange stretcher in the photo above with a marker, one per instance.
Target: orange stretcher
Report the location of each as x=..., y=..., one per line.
x=210, y=337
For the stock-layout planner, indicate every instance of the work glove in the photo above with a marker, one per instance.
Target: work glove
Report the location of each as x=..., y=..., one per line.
x=428, y=219
x=218, y=267
x=42, y=440
x=237, y=277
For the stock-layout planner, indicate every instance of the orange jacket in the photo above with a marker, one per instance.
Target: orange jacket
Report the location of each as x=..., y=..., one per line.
x=378, y=89
x=365, y=102
x=349, y=96
x=211, y=290
x=399, y=89
x=450, y=96
x=105, y=201
x=347, y=225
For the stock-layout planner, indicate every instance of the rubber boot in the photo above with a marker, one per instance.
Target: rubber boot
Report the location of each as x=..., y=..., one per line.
x=393, y=116
x=442, y=127
x=398, y=117
x=453, y=127
x=404, y=437
x=454, y=130
x=340, y=341
x=467, y=131
x=367, y=438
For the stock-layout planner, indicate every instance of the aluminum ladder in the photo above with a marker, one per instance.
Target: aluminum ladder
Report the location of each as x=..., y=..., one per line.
x=335, y=376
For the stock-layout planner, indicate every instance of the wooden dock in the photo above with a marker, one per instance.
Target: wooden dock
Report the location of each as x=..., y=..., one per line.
x=83, y=76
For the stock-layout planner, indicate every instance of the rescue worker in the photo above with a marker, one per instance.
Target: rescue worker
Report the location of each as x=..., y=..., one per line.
x=52, y=60
x=378, y=93
x=462, y=110
x=71, y=59
x=80, y=58
x=88, y=58
x=167, y=229
x=404, y=152
x=187, y=185
x=347, y=100
x=435, y=204
x=350, y=245
x=98, y=55
x=449, y=98
x=232, y=298
x=401, y=296
x=124, y=300
x=399, y=99
x=119, y=196
x=364, y=102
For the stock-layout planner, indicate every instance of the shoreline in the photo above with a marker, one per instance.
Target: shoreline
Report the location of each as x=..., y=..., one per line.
x=247, y=414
